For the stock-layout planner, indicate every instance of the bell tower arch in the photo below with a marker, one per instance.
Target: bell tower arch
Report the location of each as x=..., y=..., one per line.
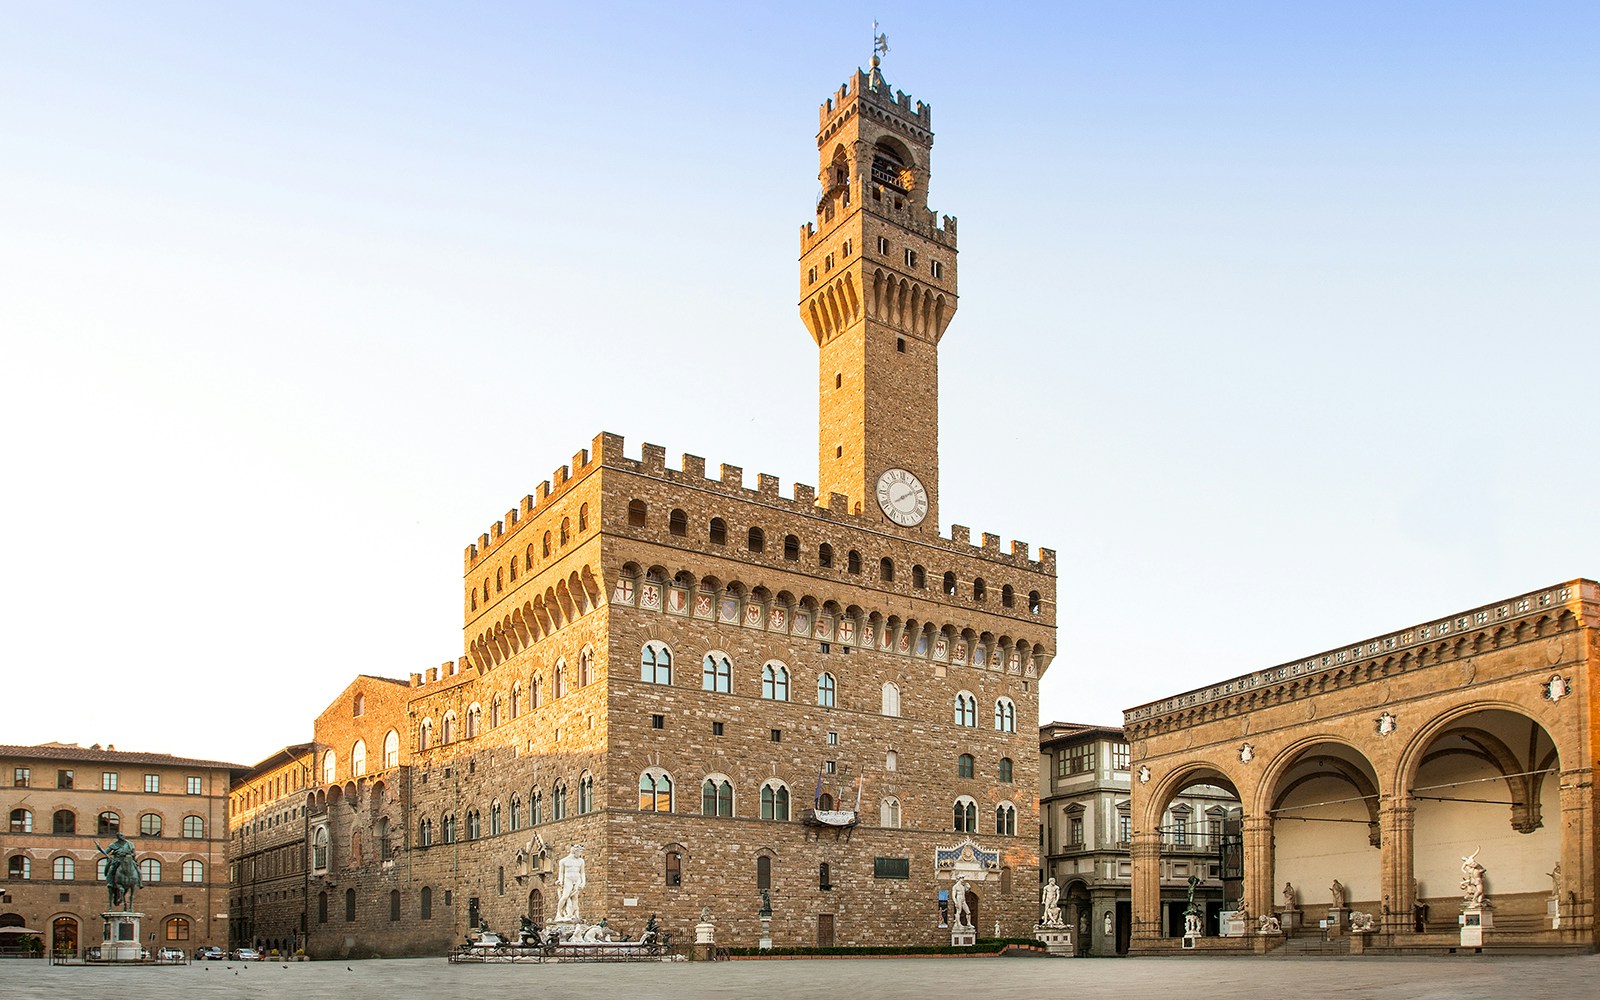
x=877, y=291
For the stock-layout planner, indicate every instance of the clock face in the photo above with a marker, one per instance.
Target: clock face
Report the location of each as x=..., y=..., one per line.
x=903, y=497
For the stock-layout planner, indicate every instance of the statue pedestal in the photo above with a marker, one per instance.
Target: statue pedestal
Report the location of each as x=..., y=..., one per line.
x=1338, y=920
x=1232, y=923
x=766, y=933
x=705, y=940
x=1291, y=920
x=1057, y=940
x=962, y=936
x=1474, y=921
x=120, y=942
x=1552, y=909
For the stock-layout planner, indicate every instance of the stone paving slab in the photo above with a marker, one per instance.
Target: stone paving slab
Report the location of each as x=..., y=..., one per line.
x=1456, y=978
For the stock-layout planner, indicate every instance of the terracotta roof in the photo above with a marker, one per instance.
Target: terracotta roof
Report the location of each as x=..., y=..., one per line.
x=71, y=751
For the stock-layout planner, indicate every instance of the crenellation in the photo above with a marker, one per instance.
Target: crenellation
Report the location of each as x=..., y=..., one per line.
x=806, y=495
x=838, y=504
x=991, y=542
x=561, y=475
x=732, y=475
x=694, y=466
x=1019, y=550
x=766, y=485
x=961, y=534
x=653, y=457
x=430, y=675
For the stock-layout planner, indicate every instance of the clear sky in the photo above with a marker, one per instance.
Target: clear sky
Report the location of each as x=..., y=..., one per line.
x=1278, y=321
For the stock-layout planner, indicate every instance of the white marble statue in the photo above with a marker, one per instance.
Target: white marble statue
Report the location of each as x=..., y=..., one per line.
x=571, y=877
x=1107, y=926
x=1336, y=890
x=1472, y=892
x=1555, y=881
x=958, y=903
x=1052, y=905
x=1290, y=899
x=1270, y=924
x=600, y=932
x=1360, y=922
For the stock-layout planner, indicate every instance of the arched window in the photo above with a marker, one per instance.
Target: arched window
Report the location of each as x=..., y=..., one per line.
x=19, y=866
x=978, y=590
x=775, y=681
x=177, y=928
x=394, y=905
x=758, y=540
x=534, y=683
x=194, y=828
x=586, y=794
x=515, y=818
x=1005, y=715
x=966, y=815
x=655, y=663
x=61, y=869
x=447, y=827
x=673, y=862
x=64, y=821
x=349, y=906
x=558, y=800
x=494, y=712
x=150, y=871
x=1005, y=820
x=546, y=546
x=827, y=689
x=678, y=523
x=391, y=749
x=919, y=578
x=716, y=673
x=566, y=530
x=825, y=555
x=966, y=709
x=586, y=667
x=499, y=580
x=1005, y=770
x=358, y=759
x=447, y=730
x=853, y=562
x=474, y=593
x=516, y=699
x=891, y=761
x=106, y=824
x=358, y=707
x=330, y=767
x=474, y=720
x=824, y=877
x=764, y=872
x=425, y=735
x=527, y=559
x=718, y=532
x=791, y=548
x=425, y=904
x=194, y=871
x=889, y=813
x=636, y=513
x=655, y=791
x=775, y=801
x=21, y=821
x=559, y=685
x=486, y=591
x=583, y=517
x=891, y=699
x=474, y=824
x=716, y=796
x=535, y=807
x=886, y=569
x=425, y=833
x=966, y=767
x=513, y=565
x=495, y=820
x=949, y=585
x=1008, y=596
x=1034, y=604
x=319, y=848
x=322, y=907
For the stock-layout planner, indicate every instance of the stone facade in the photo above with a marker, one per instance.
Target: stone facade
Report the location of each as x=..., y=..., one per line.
x=60, y=799
x=1383, y=764
x=678, y=671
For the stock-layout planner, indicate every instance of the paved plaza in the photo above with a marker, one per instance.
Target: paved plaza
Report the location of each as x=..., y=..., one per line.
x=875, y=979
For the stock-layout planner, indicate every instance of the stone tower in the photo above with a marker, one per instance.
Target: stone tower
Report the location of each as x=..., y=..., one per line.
x=878, y=288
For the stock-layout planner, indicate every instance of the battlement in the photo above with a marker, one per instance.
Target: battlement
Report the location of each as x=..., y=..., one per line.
x=922, y=221
x=608, y=450
x=871, y=86
x=552, y=489
x=446, y=674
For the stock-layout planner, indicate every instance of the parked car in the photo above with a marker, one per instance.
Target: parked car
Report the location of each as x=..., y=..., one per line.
x=246, y=955
x=169, y=955
x=211, y=953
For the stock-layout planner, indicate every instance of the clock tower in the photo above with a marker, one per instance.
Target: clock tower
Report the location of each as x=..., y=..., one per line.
x=877, y=289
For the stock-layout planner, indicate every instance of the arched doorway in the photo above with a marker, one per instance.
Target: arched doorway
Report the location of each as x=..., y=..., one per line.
x=64, y=937
x=1486, y=785
x=1078, y=913
x=1324, y=806
x=536, y=906
x=1200, y=831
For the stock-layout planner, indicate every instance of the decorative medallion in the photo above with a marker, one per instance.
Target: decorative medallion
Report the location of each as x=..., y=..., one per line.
x=1556, y=688
x=702, y=605
x=1386, y=724
x=1247, y=753
x=729, y=611
x=677, y=600
x=1144, y=774
x=777, y=618
x=753, y=615
x=623, y=593
x=650, y=597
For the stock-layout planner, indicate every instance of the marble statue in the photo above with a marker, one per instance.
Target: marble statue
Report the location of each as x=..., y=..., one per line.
x=1555, y=881
x=1191, y=924
x=1270, y=924
x=1052, y=905
x=599, y=932
x=958, y=901
x=705, y=914
x=1107, y=925
x=1361, y=922
x=571, y=876
x=122, y=873
x=1472, y=893
x=1290, y=898
x=1337, y=891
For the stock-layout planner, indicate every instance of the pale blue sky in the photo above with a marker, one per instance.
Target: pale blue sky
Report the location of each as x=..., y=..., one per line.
x=1278, y=321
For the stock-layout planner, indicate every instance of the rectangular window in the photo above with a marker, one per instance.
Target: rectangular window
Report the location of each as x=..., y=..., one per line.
x=196, y=786
x=829, y=766
x=777, y=736
x=827, y=262
x=21, y=776
x=716, y=729
x=833, y=739
x=658, y=722
x=848, y=246
x=937, y=269
x=1180, y=830
x=64, y=778
x=883, y=245
x=1080, y=759
x=1119, y=756
x=891, y=868
x=1124, y=828
x=911, y=258
x=108, y=781
x=1076, y=835
x=152, y=782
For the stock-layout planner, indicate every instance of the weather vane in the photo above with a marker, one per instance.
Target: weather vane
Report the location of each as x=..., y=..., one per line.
x=880, y=43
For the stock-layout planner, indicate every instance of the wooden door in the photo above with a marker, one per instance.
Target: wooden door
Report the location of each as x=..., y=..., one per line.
x=824, y=930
